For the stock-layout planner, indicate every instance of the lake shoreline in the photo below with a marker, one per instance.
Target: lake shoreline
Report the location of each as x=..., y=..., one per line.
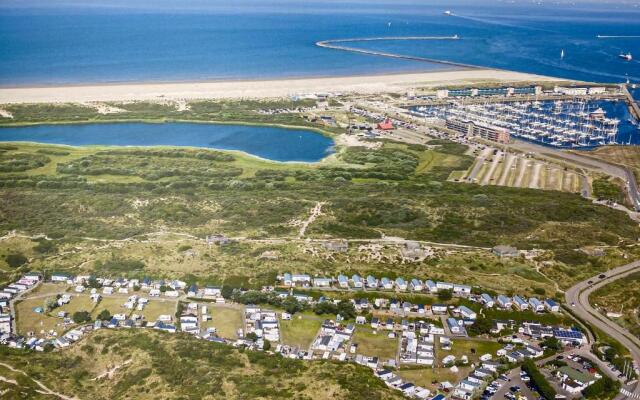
x=222, y=137
x=257, y=89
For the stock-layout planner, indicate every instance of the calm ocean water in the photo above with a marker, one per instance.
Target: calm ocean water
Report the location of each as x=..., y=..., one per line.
x=276, y=144
x=76, y=44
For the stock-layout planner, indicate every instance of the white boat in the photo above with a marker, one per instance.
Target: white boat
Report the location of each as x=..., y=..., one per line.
x=448, y=13
x=562, y=54
x=626, y=57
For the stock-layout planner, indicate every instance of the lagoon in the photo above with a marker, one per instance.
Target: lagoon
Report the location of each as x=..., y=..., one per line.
x=273, y=143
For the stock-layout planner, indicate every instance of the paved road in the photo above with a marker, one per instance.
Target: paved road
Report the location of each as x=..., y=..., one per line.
x=579, y=295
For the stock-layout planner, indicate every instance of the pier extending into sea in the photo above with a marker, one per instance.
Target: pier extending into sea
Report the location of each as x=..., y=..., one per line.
x=633, y=105
x=335, y=44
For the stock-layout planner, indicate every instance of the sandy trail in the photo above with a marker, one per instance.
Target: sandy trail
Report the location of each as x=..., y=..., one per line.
x=315, y=213
x=44, y=389
x=109, y=372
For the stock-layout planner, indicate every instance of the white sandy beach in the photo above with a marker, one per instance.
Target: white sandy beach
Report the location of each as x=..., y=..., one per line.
x=255, y=89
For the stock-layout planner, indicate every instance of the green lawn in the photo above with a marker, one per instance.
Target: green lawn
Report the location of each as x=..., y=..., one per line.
x=429, y=378
x=370, y=344
x=79, y=302
x=30, y=321
x=300, y=330
x=473, y=349
x=157, y=307
x=226, y=319
x=113, y=304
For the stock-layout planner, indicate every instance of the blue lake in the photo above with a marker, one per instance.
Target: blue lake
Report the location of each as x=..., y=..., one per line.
x=272, y=143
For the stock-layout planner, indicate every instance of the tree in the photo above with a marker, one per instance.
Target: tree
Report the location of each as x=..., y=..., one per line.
x=538, y=380
x=44, y=246
x=266, y=346
x=551, y=343
x=346, y=309
x=15, y=260
x=445, y=295
x=93, y=283
x=104, y=315
x=481, y=326
x=80, y=317
x=251, y=336
x=227, y=291
x=325, y=307
x=291, y=305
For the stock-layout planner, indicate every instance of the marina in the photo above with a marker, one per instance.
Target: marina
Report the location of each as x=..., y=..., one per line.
x=575, y=123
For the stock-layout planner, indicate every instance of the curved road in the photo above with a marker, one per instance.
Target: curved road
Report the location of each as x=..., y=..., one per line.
x=578, y=298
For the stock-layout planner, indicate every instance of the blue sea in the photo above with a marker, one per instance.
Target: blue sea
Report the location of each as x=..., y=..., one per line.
x=73, y=41
x=272, y=143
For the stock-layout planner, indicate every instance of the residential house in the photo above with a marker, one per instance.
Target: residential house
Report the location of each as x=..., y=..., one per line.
x=322, y=282
x=431, y=286
x=357, y=281
x=504, y=301
x=536, y=305
x=401, y=284
x=520, y=303
x=551, y=305
x=461, y=290
x=416, y=285
x=487, y=300
x=343, y=281
x=466, y=312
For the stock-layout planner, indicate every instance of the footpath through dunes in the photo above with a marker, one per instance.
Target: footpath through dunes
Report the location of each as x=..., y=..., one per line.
x=336, y=45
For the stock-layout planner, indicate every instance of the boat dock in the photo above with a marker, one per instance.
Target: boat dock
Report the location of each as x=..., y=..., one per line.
x=633, y=105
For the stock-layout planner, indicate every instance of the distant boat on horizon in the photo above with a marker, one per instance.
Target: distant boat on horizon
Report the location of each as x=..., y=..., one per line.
x=448, y=13
x=626, y=57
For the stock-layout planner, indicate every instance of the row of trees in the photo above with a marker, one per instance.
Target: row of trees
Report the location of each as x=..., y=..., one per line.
x=290, y=304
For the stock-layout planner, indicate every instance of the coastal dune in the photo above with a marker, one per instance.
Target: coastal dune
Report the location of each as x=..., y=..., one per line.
x=392, y=83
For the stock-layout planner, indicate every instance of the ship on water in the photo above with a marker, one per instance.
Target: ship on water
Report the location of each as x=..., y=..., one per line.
x=626, y=57
x=562, y=54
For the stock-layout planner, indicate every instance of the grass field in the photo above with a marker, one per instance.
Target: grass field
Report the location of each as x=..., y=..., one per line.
x=30, y=321
x=429, y=378
x=157, y=307
x=79, y=302
x=375, y=345
x=300, y=330
x=473, y=349
x=226, y=319
x=113, y=304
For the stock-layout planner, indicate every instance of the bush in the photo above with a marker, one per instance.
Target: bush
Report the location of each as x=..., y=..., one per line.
x=602, y=388
x=445, y=295
x=80, y=317
x=104, y=315
x=15, y=260
x=538, y=380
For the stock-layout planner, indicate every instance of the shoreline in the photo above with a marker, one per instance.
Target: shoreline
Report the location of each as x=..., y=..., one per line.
x=257, y=89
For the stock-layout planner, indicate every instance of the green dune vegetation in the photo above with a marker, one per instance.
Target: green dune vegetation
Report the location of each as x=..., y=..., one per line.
x=141, y=363
x=82, y=197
